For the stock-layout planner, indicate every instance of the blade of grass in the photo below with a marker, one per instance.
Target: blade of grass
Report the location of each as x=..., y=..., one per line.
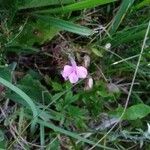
x=71, y=134
x=77, y=6
x=44, y=3
x=127, y=35
x=24, y=96
x=21, y=119
x=42, y=135
x=66, y=25
x=142, y=4
x=125, y=5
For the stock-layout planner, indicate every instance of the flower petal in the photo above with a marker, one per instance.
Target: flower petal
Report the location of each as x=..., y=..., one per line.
x=66, y=71
x=73, y=63
x=73, y=78
x=82, y=72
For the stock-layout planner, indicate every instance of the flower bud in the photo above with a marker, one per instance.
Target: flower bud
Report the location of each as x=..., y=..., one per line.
x=87, y=61
x=89, y=84
x=107, y=46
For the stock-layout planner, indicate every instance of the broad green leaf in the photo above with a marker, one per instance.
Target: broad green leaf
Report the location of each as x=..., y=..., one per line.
x=137, y=112
x=77, y=6
x=125, y=5
x=36, y=32
x=66, y=25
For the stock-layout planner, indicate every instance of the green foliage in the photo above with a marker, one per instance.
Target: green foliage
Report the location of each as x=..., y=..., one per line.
x=126, y=4
x=24, y=4
x=5, y=73
x=24, y=96
x=134, y=112
x=84, y=4
x=9, y=6
x=73, y=116
x=65, y=25
x=137, y=112
x=127, y=35
x=41, y=30
x=97, y=52
x=35, y=33
x=32, y=87
x=142, y=4
x=71, y=134
x=54, y=145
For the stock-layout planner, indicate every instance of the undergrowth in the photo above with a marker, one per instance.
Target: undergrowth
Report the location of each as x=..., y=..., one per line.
x=107, y=109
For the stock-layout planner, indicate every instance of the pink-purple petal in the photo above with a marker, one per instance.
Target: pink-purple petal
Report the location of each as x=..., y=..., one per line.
x=73, y=78
x=81, y=72
x=66, y=71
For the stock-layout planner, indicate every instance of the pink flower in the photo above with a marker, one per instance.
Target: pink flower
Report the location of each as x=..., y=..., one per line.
x=74, y=72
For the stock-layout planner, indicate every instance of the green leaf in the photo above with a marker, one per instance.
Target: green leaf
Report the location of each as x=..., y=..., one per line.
x=5, y=73
x=137, y=112
x=48, y=115
x=77, y=6
x=24, y=96
x=125, y=5
x=2, y=137
x=55, y=145
x=56, y=86
x=25, y=4
x=97, y=52
x=3, y=144
x=32, y=87
x=42, y=135
x=127, y=35
x=36, y=32
x=10, y=7
x=142, y=4
x=21, y=48
x=71, y=134
x=134, y=112
x=66, y=25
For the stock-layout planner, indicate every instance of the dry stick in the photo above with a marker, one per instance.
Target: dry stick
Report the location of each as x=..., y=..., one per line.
x=131, y=87
x=14, y=135
x=104, y=77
